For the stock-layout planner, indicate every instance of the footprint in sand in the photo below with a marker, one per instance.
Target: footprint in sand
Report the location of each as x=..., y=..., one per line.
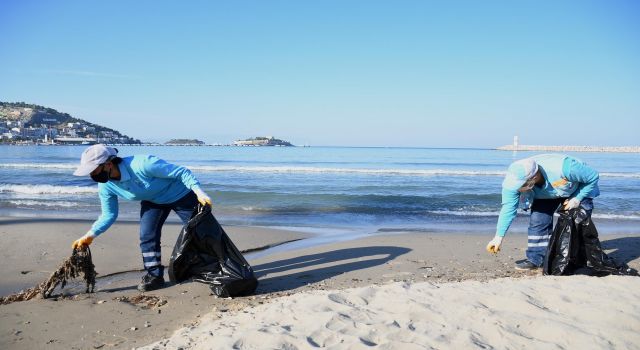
x=350, y=300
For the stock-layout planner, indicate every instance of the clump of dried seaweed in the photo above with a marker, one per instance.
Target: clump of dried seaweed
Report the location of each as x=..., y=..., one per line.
x=142, y=300
x=79, y=263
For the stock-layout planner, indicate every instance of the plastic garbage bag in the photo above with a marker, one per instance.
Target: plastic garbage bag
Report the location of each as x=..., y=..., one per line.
x=205, y=253
x=574, y=247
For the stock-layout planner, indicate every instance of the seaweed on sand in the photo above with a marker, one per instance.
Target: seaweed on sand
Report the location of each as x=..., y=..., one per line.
x=79, y=263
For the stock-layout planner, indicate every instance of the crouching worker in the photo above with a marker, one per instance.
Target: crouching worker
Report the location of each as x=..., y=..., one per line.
x=159, y=186
x=542, y=183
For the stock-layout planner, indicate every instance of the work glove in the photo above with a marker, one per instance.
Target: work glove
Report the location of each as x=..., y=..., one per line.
x=494, y=245
x=84, y=240
x=571, y=203
x=203, y=198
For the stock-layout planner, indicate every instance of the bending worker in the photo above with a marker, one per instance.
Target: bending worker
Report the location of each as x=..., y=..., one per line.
x=542, y=183
x=159, y=186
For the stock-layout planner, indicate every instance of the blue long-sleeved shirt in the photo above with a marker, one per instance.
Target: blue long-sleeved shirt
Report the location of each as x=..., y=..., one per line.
x=573, y=170
x=142, y=177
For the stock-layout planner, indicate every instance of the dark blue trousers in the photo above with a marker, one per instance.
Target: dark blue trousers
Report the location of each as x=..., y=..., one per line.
x=541, y=226
x=152, y=217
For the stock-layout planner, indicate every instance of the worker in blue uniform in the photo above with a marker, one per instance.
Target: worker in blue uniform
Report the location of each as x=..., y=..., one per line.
x=542, y=183
x=159, y=186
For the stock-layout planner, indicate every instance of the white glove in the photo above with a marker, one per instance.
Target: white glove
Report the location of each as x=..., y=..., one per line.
x=203, y=198
x=494, y=245
x=571, y=203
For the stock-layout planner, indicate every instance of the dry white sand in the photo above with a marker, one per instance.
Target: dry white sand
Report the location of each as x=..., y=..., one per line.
x=575, y=312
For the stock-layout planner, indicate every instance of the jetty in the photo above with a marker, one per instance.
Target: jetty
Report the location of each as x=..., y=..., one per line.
x=536, y=148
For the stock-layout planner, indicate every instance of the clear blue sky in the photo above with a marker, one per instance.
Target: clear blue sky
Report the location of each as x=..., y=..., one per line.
x=369, y=73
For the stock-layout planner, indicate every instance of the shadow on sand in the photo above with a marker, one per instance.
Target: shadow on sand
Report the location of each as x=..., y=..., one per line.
x=313, y=268
x=625, y=249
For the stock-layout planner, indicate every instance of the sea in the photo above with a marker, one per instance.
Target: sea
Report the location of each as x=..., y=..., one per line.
x=361, y=190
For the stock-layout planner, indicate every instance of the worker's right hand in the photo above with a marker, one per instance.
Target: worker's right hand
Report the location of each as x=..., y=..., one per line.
x=494, y=245
x=83, y=241
x=572, y=203
x=203, y=198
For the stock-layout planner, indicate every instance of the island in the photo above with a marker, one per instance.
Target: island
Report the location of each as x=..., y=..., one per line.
x=184, y=142
x=262, y=141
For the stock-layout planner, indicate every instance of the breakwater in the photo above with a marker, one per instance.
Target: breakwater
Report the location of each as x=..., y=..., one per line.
x=618, y=149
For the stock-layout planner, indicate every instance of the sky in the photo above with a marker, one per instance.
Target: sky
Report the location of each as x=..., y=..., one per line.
x=342, y=73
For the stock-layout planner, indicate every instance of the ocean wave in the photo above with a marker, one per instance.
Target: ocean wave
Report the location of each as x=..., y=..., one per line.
x=616, y=216
x=464, y=213
x=52, y=204
x=496, y=213
x=319, y=170
x=410, y=172
x=46, y=189
x=626, y=175
x=249, y=208
x=39, y=166
x=316, y=170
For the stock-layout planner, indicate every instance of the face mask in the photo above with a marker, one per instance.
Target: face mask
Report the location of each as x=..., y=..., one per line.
x=528, y=186
x=102, y=176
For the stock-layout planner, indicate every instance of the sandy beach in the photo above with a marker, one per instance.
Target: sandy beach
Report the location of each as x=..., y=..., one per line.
x=402, y=290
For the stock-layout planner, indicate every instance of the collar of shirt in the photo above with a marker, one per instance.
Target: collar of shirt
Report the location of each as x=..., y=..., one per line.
x=124, y=173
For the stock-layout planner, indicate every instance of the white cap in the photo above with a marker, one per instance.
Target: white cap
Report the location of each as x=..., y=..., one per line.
x=92, y=157
x=519, y=172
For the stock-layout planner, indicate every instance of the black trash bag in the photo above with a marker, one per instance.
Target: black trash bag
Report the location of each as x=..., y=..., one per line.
x=574, y=248
x=204, y=253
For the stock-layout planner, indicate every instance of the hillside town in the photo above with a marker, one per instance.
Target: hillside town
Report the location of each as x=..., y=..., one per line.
x=29, y=124
x=22, y=123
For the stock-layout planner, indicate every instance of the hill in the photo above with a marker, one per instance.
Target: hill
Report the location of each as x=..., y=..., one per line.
x=30, y=123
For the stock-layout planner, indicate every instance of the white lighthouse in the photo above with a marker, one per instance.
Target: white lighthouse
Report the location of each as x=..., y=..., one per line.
x=515, y=142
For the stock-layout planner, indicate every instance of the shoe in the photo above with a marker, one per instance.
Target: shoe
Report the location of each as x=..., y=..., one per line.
x=150, y=282
x=525, y=265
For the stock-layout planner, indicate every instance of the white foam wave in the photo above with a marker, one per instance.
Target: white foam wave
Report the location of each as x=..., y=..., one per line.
x=318, y=170
x=413, y=172
x=464, y=213
x=626, y=175
x=39, y=166
x=616, y=216
x=53, y=204
x=496, y=213
x=46, y=189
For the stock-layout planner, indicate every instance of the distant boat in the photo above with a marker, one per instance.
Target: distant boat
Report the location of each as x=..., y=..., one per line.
x=75, y=141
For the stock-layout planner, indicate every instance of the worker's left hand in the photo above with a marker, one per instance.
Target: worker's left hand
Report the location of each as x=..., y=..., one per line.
x=494, y=246
x=83, y=241
x=203, y=198
x=571, y=203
